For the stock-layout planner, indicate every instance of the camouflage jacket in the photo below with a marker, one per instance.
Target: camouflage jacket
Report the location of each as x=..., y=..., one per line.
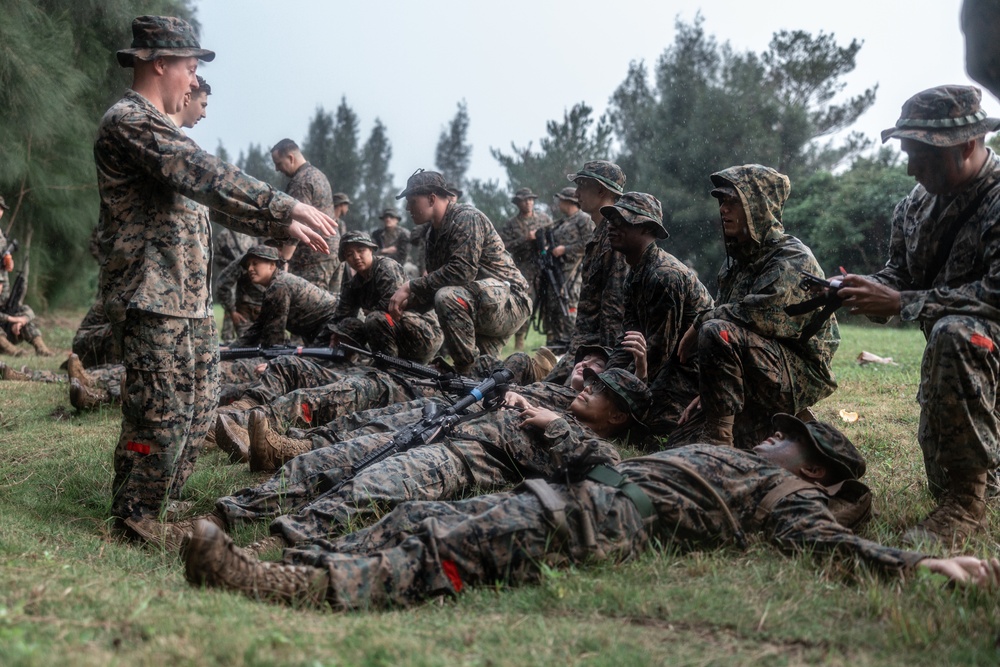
x=465, y=248
x=968, y=282
x=157, y=254
x=371, y=293
x=689, y=514
x=294, y=304
x=761, y=276
x=602, y=302
x=397, y=237
x=235, y=288
x=3, y=274
x=310, y=186
x=229, y=245
x=573, y=233
x=514, y=234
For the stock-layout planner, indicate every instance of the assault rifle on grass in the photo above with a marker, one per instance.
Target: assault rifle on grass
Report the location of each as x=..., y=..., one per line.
x=450, y=383
x=15, y=297
x=327, y=353
x=435, y=423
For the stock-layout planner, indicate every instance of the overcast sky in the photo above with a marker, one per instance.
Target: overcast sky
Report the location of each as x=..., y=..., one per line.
x=517, y=63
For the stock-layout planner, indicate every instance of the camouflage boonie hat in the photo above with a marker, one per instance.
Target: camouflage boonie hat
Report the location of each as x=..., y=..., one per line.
x=584, y=350
x=263, y=252
x=425, y=183
x=390, y=213
x=355, y=236
x=568, y=194
x=845, y=459
x=453, y=190
x=3, y=204
x=341, y=198
x=155, y=36
x=942, y=116
x=633, y=393
x=523, y=193
x=638, y=208
x=608, y=174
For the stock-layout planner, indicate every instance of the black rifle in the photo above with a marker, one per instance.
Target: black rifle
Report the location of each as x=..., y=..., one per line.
x=328, y=353
x=15, y=297
x=828, y=300
x=550, y=278
x=450, y=383
x=434, y=423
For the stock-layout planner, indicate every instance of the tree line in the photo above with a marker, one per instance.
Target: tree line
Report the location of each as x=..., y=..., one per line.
x=702, y=106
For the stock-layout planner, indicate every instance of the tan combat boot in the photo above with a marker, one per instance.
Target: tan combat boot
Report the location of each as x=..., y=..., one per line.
x=718, y=430
x=232, y=438
x=543, y=361
x=9, y=373
x=959, y=513
x=211, y=559
x=74, y=368
x=8, y=348
x=244, y=403
x=269, y=450
x=41, y=349
x=168, y=536
x=87, y=398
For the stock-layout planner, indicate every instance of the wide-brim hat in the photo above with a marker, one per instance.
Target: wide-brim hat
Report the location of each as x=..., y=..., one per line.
x=390, y=213
x=943, y=116
x=341, y=198
x=267, y=252
x=358, y=237
x=633, y=394
x=584, y=350
x=608, y=174
x=523, y=193
x=841, y=454
x=568, y=194
x=156, y=36
x=638, y=208
x=425, y=183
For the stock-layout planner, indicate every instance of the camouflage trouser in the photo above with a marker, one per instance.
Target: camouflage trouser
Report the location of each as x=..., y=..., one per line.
x=414, y=336
x=93, y=341
x=422, y=549
x=108, y=377
x=288, y=373
x=530, y=273
x=959, y=423
x=752, y=377
x=559, y=327
x=28, y=332
x=479, y=319
x=240, y=371
x=429, y=472
x=168, y=404
x=348, y=395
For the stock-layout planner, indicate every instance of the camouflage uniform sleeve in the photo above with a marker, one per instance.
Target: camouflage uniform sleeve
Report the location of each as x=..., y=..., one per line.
x=388, y=278
x=349, y=303
x=612, y=310
x=225, y=290
x=513, y=239
x=801, y=521
x=575, y=448
x=269, y=327
x=402, y=246
x=465, y=242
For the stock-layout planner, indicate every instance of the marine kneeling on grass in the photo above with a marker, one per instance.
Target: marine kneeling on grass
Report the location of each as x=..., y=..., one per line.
x=693, y=496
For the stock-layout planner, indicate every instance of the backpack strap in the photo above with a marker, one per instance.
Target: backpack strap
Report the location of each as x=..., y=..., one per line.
x=783, y=490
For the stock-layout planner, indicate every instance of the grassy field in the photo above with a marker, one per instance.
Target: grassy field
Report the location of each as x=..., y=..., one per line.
x=70, y=593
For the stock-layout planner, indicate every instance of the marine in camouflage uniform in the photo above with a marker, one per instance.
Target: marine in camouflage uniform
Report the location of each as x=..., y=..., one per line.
x=290, y=303
x=239, y=297
x=662, y=299
x=154, y=282
x=942, y=272
x=480, y=297
x=570, y=235
x=492, y=450
x=412, y=335
x=24, y=315
x=518, y=235
x=393, y=241
x=93, y=341
x=228, y=247
x=756, y=360
x=307, y=184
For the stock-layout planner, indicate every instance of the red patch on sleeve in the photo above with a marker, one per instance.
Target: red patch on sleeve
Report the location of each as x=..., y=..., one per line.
x=451, y=571
x=137, y=447
x=388, y=318
x=982, y=341
x=724, y=335
x=463, y=302
x=307, y=415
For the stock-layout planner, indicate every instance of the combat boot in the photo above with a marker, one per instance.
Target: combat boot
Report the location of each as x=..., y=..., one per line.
x=74, y=368
x=84, y=398
x=266, y=544
x=244, y=403
x=269, y=450
x=959, y=513
x=232, y=438
x=8, y=348
x=211, y=559
x=718, y=430
x=542, y=362
x=168, y=536
x=9, y=373
x=41, y=349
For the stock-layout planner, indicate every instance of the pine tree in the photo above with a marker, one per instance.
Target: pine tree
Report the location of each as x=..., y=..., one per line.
x=376, y=191
x=453, y=153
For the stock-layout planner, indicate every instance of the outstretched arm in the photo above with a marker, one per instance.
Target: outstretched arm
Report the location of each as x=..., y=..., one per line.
x=966, y=570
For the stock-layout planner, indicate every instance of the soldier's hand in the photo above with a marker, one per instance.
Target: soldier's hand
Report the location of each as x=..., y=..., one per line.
x=238, y=318
x=315, y=219
x=532, y=234
x=391, y=250
x=559, y=251
x=689, y=411
x=537, y=417
x=309, y=237
x=635, y=343
x=260, y=369
x=17, y=322
x=688, y=345
x=8, y=263
x=867, y=297
x=966, y=570
x=514, y=400
x=399, y=300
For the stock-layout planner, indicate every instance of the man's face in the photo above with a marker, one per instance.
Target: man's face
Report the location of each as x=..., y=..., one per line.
x=624, y=237
x=566, y=207
x=784, y=450
x=195, y=104
x=358, y=257
x=390, y=222
x=421, y=208
x=594, y=405
x=283, y=163
x=591, y=195
x=734, y=218
x=526, y=206
x=937, y=168
x=594, y=362
x=260, y=271
x=340, y=210
x=179, y=79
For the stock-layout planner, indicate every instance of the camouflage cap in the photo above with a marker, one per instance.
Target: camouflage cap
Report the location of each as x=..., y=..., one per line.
x=523, y=193
x=425, y=183
x=942, y=116
x=844, y=458
x=633, y=393
x=725, y=190
x=638, y=208
x=263, y=252
x=3, y=204
x=155, y=36
x=390, y=213
x=568, y=194
x=584, y=350
x=453, y=190
x=355, y=236
x=341, y=198
x=608, y=174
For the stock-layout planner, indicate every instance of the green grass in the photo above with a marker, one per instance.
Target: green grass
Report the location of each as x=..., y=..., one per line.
x=70, y=593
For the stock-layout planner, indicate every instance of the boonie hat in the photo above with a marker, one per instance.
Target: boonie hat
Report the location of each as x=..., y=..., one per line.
x=263, y=252
x=632, y=391
x=568, y=194
x=841, y=453
x=155, y=36
x=341, y=198
x=608, y=174
x=638, y=208
x=425, y=183
x=942, y=116
x=355, y=236
x=390, y=213
x=523, y=193
x=584, y=350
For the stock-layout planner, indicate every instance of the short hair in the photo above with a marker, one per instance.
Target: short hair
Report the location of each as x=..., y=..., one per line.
x=284, y=147
x=203, y=86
